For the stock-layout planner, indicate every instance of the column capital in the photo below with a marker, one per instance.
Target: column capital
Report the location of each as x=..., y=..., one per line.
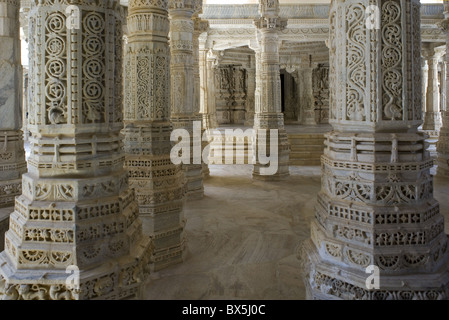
x=200, y=25
x=269, y=16
x=139, y=5
x=270, y=23
x=198, y=7
x=214, y=56
x=432, y=51
x=290, y=63
x=440, y=51
x=15, y=3
x=444, y=25
x=269, y=8
x=189, y=5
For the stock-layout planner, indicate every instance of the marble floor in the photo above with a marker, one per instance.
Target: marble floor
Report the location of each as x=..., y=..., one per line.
x=243, y=235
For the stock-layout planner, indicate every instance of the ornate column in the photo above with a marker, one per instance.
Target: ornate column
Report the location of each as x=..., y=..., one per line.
x=250, y=100
x=184, y=112
x=376, y=207
x=208, y=63
x=306, y=100
x=425, y=78
x=12, y=154
x=199, y=26
x=289, y=98
x=432, y=116
x=443, y=142
x=23, y=18
x=76, y=218
x=443, y=85
x=159, y=184
x=268, y=114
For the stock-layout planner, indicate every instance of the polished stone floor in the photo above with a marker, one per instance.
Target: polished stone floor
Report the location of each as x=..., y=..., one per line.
x=243, y=235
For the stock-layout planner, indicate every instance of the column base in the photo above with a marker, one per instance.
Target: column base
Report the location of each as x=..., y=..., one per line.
x=432, y=121
x=192, y=172
x=121, y=279
x=433, y=141
x=194, y=181
x=166, y=256
x=328, y=281
x=205, y=167
x=90, y=236
x=249, y=119
x=278, y=166
x=282, y=174
x=206, y=171
x=309, y=118
x=376, y=210
x=165, y=225
x=209, y=121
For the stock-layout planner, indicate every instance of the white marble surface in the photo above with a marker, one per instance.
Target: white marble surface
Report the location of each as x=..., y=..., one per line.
x=242, y=237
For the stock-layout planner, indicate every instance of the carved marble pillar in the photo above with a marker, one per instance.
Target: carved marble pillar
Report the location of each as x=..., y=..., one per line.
x=289, y=97
x=376, y=206
x=443, y=85
x=158, y=183
x=200, y=26
x=321, y=93
x=12, y=154
x=24, y=37
x=305, y=89
x=296, y=102
x=432, y=116
x=208, y=62
x=25, y=104
x=76, y=218
x=184, y=113
x=425, y=77
x=268, y=118
x=443, y=141
x=250, y=100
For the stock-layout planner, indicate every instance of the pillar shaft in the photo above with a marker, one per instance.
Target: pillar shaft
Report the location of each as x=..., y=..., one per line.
x=444, y=78
x=376, y=205
x=208, y=61
x=76, y=211
x=12, y=155
x=159, y=184
x=432, y=116
x=443, y=142
x=268, y=114
x=184, y=110
x=250, y=100
x=200, y=26
x=425, y=79
x=305, y=87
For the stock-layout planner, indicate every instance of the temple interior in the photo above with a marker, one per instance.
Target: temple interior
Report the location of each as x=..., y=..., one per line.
x=224, y=149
